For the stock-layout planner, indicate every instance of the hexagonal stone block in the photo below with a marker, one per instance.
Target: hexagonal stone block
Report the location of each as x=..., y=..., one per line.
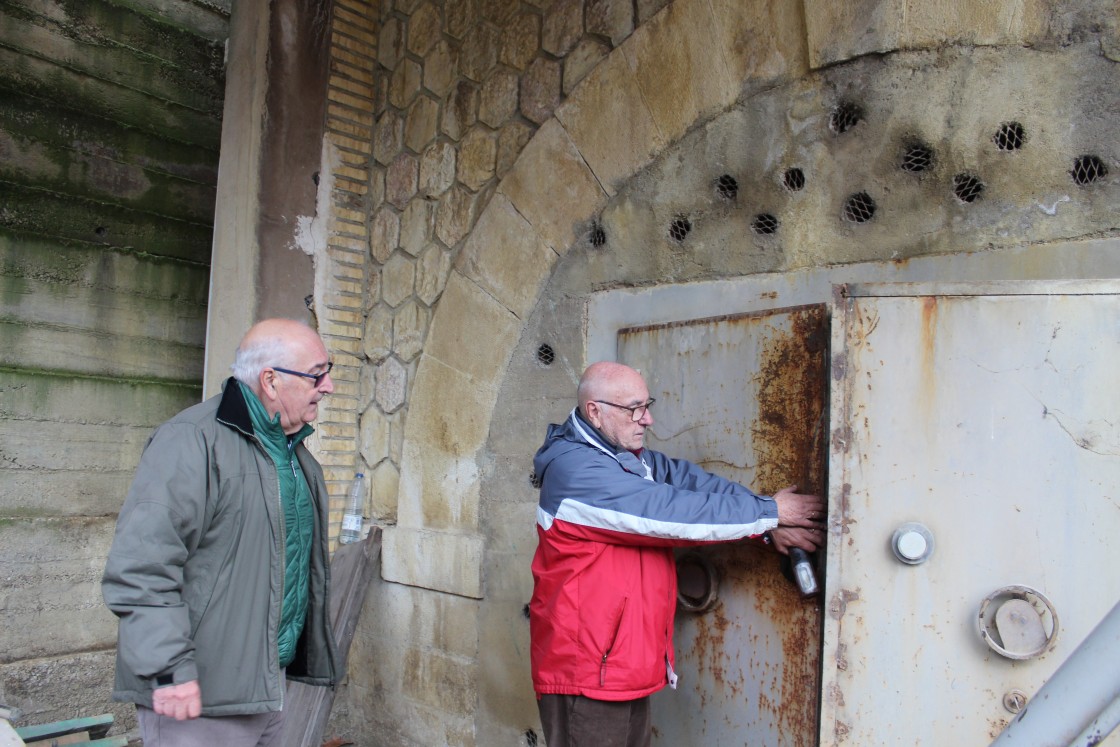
x=479, y=53
x=373, y=436
x=384, y=233
x=477, y=154
x=498, y=101
x=390, y=44
x=583, y=59
x=455, y=215
x=432, y=268
x=437, y=169
x=423, y=29
x=563, y=26
x=460, y=112
x=388, y=137
x=401, y=180
x=405, y=83
x=397, y=278
x=377, y=343
x=540, y=90
x=511, y=141
x=420, y=127
x=440, y=69
x=461, y=17
x=417, y=222
x=384, y=484
x=410, y=324
x=613, y=19
x=521, y=41
x=390, y=387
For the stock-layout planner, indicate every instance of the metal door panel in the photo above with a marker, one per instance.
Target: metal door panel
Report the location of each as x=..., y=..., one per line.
x=743, y=396
x=993, y=421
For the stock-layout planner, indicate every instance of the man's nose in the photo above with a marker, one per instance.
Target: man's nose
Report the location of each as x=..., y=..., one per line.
x=647, y=418
x=326, y=386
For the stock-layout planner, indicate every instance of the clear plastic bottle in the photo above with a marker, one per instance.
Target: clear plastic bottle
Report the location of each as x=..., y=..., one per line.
x=352, y=518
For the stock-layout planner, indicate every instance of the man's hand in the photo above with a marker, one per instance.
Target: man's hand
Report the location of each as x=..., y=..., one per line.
x=797, y=510
x=809, y=540
x=180, y=702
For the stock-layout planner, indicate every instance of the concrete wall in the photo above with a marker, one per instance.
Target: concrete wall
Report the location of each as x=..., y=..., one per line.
x=109, y=124
x=672, y=160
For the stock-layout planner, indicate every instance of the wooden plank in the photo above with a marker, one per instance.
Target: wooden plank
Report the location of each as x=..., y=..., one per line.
x=352, y=569
x=97, y=726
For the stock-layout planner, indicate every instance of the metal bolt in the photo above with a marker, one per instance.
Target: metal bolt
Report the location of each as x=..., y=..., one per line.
x=1014, y=700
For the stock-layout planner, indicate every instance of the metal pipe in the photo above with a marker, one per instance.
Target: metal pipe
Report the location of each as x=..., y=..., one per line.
x=1078, y=705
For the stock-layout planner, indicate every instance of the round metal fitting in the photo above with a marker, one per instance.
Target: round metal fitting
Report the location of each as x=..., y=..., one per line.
x=1018, y=622
x=912, y=543
x=1014, y=700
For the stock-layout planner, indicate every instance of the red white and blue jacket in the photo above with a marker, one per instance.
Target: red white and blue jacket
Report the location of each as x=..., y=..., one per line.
x=605, y=584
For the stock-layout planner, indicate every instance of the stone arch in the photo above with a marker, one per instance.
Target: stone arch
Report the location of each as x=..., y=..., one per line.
x=693, y=59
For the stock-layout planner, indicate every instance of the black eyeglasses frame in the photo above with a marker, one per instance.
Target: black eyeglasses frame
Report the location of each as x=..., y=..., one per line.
x=317, y=378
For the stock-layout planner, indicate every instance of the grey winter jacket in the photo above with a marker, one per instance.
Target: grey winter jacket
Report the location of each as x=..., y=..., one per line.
x=195, y=572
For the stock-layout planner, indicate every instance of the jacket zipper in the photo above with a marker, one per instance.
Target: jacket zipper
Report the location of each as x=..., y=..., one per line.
x=610, y=645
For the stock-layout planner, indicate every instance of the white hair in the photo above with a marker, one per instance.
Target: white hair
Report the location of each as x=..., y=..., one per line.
x=257, y=355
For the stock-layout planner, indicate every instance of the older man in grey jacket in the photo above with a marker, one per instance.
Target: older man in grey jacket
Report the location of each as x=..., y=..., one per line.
x=219, y=568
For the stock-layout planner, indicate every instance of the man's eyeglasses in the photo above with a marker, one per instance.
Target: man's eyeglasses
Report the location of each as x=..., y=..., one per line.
x=637, y=412
x=317, y=378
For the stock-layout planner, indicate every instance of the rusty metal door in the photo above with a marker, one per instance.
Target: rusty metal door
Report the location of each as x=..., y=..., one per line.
x=974, y=506
x=745, y=397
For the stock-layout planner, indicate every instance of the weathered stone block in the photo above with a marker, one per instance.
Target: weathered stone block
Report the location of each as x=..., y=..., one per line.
x=477, y=154
x=384, y=484
x=613, y=19
x=540, y=90
x=417, y=222
x=377, y=343
x=563, y=26
x=404, y=84
x=499, y=98
x=461, y=17
x=442, y=561
x=391, y=385
x=511, y=141
x=397, y=277
x=506, y=257
x=373, y=439
x=432, y=268
x=763, y=42
x=440, y=69
x=455, y=215
x=466, y=312
x=420, y=128
x=479, y=53
x=552, y=187
x=410, y=323
x=521, y=41
x=442, y=681
x=583, y=59
x=390, y=43
x=437, y=169
x=423, y=29
x=401, y=180
x=388, y=137
x=610, y=123
x=461, y=111
x=384, y=233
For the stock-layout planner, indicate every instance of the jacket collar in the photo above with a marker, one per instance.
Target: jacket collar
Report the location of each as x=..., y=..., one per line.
x=589, y=434
x=233, y=410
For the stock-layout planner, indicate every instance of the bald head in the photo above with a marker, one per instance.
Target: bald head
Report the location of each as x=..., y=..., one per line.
x=286, y=365
x=609, y=381
x=608, y=393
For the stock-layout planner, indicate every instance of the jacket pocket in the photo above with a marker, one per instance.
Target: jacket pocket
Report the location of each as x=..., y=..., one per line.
x=615, y=627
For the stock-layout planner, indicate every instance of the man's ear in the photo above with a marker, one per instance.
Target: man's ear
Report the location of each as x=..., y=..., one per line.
x=267, y=382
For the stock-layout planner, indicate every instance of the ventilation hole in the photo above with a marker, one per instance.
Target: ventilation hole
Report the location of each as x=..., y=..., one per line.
x=794, y=179
x=525, y=612
x=679, y=228
x=1088, y=169
x=1009, y=136
x=917, y=158
x=844, y=117
x=534, y=480
x=727, y=187
x=545, y=354
x=315, y=178
x=100, y=230
x=308, y=300
x=859, y=208
x=530, y=738
x=764, y=223
x=597, y=237
x=967, y=187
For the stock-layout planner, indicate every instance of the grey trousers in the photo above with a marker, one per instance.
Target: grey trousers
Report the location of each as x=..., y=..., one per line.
x=576, y=721
x=257, y=730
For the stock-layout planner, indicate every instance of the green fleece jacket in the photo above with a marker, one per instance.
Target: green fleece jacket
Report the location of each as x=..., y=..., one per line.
x=196, y=569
